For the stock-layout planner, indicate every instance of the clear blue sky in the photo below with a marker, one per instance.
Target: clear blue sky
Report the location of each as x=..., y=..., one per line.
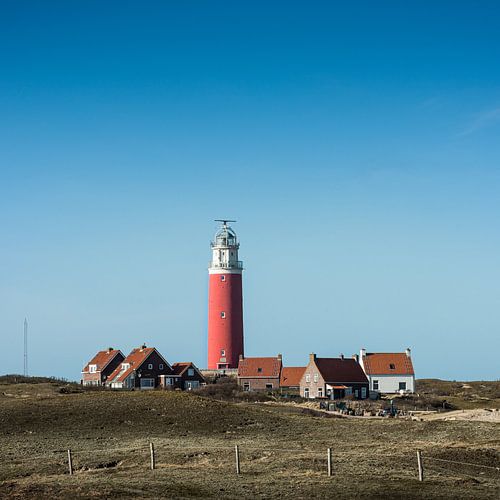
x=357, y=146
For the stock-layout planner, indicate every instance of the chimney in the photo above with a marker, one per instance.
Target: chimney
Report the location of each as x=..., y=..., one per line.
x=341, y=356
x=143, y=346
x=408, y=352
x=312, y=357
x=362, y=353
x=355, y=357
x=110, y=349
x=280, y=357
x=241, y=357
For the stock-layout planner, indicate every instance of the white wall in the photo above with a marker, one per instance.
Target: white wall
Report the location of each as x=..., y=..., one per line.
x=390, y=383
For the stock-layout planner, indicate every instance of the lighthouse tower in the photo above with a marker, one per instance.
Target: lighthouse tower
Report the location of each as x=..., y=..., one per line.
x=225, y=301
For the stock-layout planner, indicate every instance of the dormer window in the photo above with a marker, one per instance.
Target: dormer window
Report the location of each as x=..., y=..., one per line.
x=92, y=368
x=125, y=366
x=259, y=370
x=392, y=366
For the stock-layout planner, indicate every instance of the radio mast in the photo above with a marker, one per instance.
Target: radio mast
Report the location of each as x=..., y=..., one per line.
x=25, y=347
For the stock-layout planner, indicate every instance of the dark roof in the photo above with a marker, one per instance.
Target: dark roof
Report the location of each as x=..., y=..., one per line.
x=379, y=363
x=259, y=367
x=336, y=370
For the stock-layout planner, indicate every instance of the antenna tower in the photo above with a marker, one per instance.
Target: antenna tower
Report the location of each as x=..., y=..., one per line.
x=25, y=347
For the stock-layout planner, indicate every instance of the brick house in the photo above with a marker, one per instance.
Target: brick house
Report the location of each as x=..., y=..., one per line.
x=333, y=378
x=141, y=369
x=290, y=377
x=388, y=372
x=259, y=374
x=188, y=376
x=98, y=369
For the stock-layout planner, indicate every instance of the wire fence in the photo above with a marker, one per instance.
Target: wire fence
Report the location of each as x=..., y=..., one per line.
x=329, y=460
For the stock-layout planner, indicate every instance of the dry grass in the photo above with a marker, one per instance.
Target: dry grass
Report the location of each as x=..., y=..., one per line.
x=283, y=450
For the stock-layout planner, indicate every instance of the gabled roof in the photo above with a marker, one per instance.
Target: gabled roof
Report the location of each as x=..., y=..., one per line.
x=102, y=359
x=135, y=359
x=340, y=370
x=379, y=363
x=180, y=368
x=259, y=367
x=291, y=375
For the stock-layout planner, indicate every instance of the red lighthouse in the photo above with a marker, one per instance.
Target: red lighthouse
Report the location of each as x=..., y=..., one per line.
x=225, y=301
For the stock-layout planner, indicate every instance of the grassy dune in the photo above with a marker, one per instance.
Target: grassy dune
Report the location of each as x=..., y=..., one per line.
x=283, y=449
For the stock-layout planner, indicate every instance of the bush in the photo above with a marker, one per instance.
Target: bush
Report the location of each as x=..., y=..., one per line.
x=227, y=388
x=22, y=379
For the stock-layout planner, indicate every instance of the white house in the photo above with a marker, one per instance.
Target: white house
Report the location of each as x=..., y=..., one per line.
x=388, y=372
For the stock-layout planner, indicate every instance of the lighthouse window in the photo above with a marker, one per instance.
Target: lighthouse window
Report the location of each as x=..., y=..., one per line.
x=223, y=315
x=223, y=278
x=222, y=352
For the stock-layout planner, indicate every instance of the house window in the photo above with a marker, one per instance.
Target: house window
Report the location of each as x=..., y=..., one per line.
x=92, y=368
x=315, y=377
x=402, y=386
x=356, y=394
x=363, y=392
x=150, y=366
x=320, y=392
x=392, y=366
x=375, y=385
x=259, y=370
x=222, y=352
x=222, y=277
x=269, y=387
x=246, y=386
x=306, y=392
x=190, y=372
x=348, y=391
x=160, y=366
x=223, y=314
x=308, y=378
x=147, y=383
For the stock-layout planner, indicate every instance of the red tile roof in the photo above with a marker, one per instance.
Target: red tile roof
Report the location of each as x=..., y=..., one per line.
x=291, y=375
x=135, y=359
x=259, y=367
x=379, y=363
x=102, y=359
x=338, y=370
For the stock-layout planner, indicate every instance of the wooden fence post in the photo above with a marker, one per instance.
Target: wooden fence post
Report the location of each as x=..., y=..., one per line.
x=70, y=463
x=237, y=452
x=329, y=455
x=420, y=466
x=152, y=452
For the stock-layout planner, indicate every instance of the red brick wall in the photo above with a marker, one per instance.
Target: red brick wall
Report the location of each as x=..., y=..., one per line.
x=259, y=383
